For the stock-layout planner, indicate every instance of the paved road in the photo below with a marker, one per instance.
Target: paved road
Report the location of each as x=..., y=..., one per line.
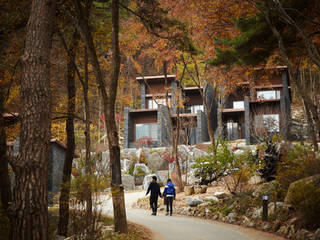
x=184, y=228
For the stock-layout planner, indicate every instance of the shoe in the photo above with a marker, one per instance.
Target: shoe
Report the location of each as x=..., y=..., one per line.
x=170, y=214
x=153, y=214
x=167, y=214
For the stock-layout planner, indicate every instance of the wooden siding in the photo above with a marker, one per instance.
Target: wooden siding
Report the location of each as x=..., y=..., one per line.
x=141, y=117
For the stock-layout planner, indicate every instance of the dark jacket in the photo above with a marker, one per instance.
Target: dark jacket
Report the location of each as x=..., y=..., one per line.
x=169, y=190
x=155, y=190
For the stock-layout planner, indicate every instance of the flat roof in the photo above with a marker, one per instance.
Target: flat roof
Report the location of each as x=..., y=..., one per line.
x=275, y=67
x=144, y=110
x=191, y=88
x=185, y=115
x=264, y=100
x=155, y=77
x=229, y=110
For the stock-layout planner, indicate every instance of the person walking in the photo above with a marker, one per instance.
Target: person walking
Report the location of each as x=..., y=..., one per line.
x=170, y=194
x=154, y=188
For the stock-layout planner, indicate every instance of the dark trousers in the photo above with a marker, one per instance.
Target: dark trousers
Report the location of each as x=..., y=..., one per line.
x=154, y=204
x=169, y=201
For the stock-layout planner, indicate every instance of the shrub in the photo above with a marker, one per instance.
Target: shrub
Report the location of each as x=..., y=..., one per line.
x=139, y=173
x=131, y=168
x=213, y=166
x=305, y=199
x=298, y=163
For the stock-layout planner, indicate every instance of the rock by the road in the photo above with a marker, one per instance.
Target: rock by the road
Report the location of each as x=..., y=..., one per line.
x=220, y=195
x=141, y=167
x=317, y=235
x=232, y=217
x=194, y=201
x=156, y=162
x=147, y=180
x=128, y=182
x=315, y=179
x=257, y=213
x=254, y=180
x=188, y=190
x=212, y=199
x=125, y=164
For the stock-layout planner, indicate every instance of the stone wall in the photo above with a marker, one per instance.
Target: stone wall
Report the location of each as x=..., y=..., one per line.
x=163, y=126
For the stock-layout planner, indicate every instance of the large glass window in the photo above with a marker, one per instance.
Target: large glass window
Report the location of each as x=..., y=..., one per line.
x=195, y=108
x=147, y=130
x=153, y=103
x=238, y=104
x=274, y=94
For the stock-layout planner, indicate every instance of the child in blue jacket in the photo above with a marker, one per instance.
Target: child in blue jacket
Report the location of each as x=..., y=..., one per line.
x=169, y=193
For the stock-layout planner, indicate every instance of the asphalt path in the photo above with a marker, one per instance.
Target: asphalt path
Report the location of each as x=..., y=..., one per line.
x=183, y=228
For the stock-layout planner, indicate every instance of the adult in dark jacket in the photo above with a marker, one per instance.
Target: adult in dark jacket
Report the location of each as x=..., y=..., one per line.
x=154, y=188
x=170, y=194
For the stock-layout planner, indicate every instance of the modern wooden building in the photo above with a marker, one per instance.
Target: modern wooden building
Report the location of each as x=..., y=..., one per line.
x=249, y=111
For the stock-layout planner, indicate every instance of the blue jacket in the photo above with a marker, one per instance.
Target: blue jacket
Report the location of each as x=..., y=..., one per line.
x=169, y=190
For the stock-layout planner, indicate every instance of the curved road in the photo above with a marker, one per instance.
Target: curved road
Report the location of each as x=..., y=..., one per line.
x=184, y=228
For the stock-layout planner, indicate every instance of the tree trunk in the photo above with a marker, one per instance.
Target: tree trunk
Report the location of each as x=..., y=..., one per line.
x=119, y=210
x=29, y=211
x=67, y=167
x=176, y=176
x=120, y=220
x=88, y=168
x=311, y=130
x=5, y=190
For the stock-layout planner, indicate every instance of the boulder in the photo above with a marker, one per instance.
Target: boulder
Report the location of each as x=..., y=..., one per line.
x=197, y=189
x=156, y=162
x=188, y=190
x=203, y=205
x=303, y=235
x=317, y=235
x=147, y=180
x=272, y=207
x=138, y=180
x=254, y=180
x=191, y=178
x=220, y=195
x=291, y=233
x=128, y=182
x=232, y=217
x=239, y=152
x=125, y=165
x=140, y=168
x=185, y=152
x=245, y=221
x=212, y=199
x=283, y=230
x=163, y=176
x=315, y=179
x=129, y=153
x=198, y=153
x=257, y=213
x=266, y=226
x=204, y=188
x=194, y=201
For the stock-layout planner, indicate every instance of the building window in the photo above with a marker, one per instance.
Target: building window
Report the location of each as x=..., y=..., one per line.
x=153, y=103
x=271, y=122
x=232, y=131
x=274, y=94
x=238, y=104
x=194, y=108
x=149, y=130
